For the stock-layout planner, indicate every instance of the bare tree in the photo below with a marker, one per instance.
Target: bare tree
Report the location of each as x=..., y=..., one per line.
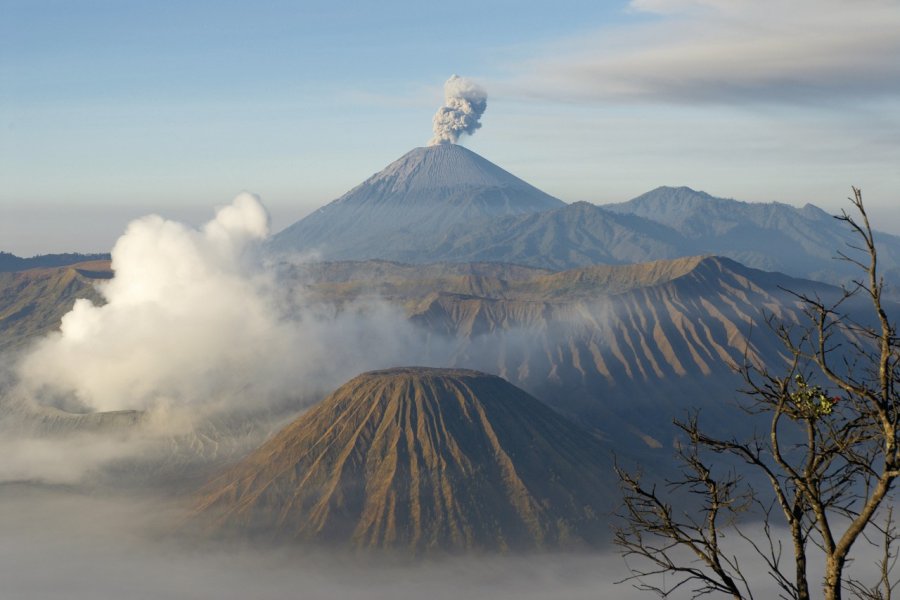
x=828, y=459
x=884, y=587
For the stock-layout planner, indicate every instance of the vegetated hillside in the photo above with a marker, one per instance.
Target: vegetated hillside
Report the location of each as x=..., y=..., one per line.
x=397, y=213
x=421, y=460
x=771, y=236
x=33, y=302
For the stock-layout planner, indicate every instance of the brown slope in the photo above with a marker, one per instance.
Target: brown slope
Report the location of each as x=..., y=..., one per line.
x=32, y=302
x=341, y=281
x=422, y=460
x=344, y=280
x=624, y=348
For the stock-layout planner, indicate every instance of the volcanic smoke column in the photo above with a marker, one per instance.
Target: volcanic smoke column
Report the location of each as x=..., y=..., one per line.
x=464, y=103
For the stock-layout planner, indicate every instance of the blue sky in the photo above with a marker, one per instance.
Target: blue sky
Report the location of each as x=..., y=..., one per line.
x=110, y=109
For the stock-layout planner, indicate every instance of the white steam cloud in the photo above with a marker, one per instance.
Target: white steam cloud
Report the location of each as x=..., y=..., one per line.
x=194, y=319
x=183, y=307
x=464, y=103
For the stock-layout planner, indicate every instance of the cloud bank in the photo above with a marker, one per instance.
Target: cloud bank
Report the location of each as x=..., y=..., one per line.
x=59, y=545
x=730, y=51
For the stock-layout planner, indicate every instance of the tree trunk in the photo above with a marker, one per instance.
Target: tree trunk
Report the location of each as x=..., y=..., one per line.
x=801, y=582
x=834, y=571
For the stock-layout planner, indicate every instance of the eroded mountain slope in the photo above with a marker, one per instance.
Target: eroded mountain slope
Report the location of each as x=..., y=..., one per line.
x=422, y=460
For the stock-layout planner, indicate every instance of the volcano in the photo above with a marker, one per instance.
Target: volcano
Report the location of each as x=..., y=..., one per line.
x=422, y=460
x=398, y=211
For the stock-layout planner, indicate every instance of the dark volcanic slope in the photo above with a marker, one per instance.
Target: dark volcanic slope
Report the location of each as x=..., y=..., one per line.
x=397, y=212
x=574, y=235
x=422, y=460
x=446, y=204
x=668, y=223
x=772, y=236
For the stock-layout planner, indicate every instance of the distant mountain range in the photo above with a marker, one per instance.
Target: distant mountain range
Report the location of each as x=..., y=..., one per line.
x=574, y=235
x=773, y=236
x=11, y=262
x=447, y=204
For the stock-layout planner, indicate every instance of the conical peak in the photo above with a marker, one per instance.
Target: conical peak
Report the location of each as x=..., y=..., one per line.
x=440, y=388
x=399, y=212
x=445, y=165
x=423, y=460
x=421, y=373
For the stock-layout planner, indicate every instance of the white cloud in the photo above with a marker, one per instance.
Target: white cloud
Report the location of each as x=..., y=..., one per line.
x=193, y=318
x=730, y=51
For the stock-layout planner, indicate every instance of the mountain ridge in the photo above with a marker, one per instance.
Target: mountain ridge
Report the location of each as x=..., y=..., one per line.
x=570, y=236
x=447, y=204
x=10, y=262
x=772, y=236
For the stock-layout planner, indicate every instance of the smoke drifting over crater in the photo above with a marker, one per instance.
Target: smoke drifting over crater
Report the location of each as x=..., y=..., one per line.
x=464, y=103
x=195, y=317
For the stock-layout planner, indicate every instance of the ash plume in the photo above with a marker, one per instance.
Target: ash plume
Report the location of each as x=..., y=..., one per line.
x=464, y=103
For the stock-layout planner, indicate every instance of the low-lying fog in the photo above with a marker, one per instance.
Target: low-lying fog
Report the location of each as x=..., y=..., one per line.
x=59, y=544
